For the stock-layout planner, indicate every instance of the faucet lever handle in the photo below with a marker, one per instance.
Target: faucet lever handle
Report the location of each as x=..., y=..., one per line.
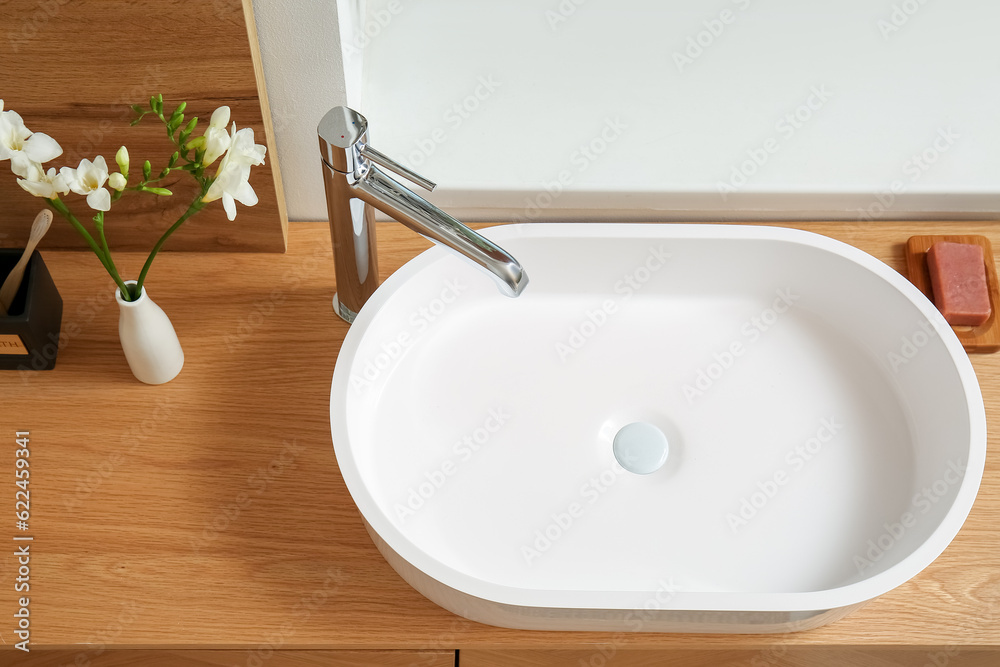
x=384, y=160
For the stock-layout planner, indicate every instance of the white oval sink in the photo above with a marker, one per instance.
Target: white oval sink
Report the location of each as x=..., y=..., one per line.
x=811, y=433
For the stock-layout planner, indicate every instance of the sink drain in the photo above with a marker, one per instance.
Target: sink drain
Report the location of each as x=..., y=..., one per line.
x=641, y=448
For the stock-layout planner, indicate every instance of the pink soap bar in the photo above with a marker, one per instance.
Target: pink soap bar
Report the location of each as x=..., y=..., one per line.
x=958, y=277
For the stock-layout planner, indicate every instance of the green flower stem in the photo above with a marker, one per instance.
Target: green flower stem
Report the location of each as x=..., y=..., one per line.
x=138, y=188
x=195, y=206
x=60, y=208
x=112, y=269
x=102, y=254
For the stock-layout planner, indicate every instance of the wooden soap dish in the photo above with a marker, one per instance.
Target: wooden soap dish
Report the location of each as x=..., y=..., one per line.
x=983, y=338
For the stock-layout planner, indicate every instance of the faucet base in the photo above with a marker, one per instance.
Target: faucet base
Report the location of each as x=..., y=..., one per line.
x=343, y=312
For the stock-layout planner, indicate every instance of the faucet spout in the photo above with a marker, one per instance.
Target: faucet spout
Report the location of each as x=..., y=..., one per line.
x=390, y=197
x=355, y=185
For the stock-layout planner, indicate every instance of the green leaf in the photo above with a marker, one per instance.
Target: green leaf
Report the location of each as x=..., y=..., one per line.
x=147, y=169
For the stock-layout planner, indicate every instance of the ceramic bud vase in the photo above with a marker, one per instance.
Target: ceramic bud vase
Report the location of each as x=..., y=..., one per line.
x=148, y=339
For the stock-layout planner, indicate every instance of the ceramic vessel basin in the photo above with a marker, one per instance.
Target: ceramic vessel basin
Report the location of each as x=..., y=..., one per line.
x=811, y=433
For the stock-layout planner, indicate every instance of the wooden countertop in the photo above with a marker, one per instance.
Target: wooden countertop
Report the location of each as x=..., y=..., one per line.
x=210, y=513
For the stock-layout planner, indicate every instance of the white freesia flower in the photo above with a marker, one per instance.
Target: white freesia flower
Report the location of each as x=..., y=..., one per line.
x=117, y=181
x=89, y=179
x=22, y=146
x=40, y=183
x=232, y=179
x=217, y=140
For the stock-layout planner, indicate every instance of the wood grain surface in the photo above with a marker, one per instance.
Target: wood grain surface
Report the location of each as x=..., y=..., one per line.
x=254, y=657
x=73, y=67
x=210, y=513
x=779, y=656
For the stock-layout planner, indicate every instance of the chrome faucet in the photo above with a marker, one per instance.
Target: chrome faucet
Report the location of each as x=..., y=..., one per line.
x=354, y=185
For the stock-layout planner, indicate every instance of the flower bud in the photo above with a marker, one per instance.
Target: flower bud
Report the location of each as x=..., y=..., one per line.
x=122, y=159
x=117, y=181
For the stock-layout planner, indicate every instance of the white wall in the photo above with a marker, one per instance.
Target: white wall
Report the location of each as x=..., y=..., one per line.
x=300, y=45
x=689, y=129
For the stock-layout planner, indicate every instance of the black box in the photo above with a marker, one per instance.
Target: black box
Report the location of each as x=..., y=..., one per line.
x=29, y=333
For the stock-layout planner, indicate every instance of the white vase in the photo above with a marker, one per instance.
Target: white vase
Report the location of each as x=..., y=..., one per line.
x=148, y=339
